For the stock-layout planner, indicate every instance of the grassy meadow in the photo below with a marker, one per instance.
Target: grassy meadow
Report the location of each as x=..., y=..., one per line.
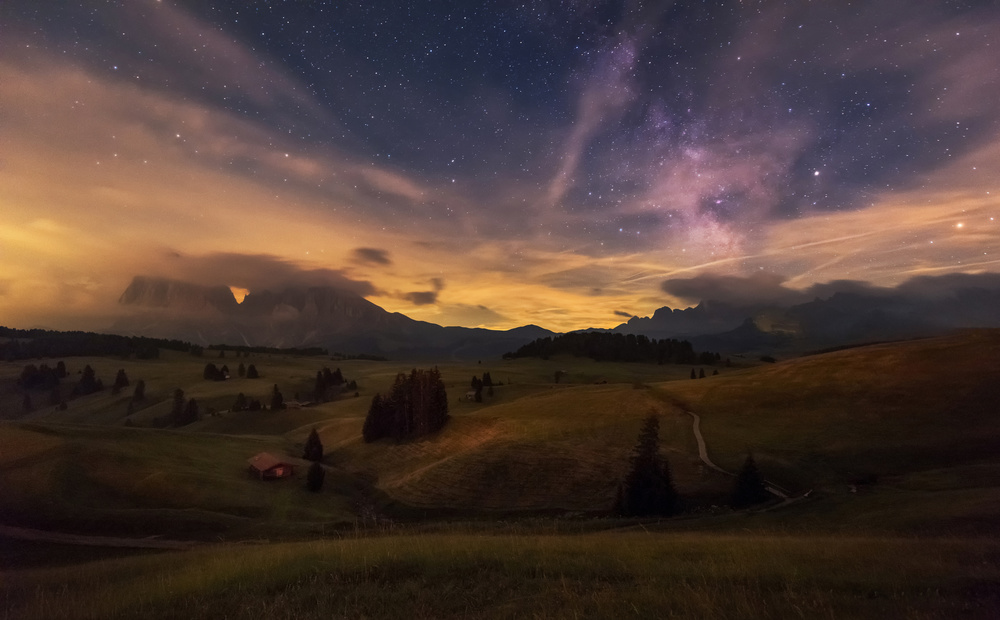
x=892, y=451
x=607, y=575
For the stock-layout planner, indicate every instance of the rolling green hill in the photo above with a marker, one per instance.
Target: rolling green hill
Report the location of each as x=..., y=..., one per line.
x=903, y=423
x=897, y=445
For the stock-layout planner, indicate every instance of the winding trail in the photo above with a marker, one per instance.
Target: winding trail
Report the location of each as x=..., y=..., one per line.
x=702, y=450
x=703, y=455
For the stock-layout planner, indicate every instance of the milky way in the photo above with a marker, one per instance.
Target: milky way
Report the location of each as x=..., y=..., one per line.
x=492, y=163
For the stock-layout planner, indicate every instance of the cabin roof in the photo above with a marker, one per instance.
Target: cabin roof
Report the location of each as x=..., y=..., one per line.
x=265, y=461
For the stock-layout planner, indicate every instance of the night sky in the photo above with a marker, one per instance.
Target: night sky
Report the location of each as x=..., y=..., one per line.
x=563, y=163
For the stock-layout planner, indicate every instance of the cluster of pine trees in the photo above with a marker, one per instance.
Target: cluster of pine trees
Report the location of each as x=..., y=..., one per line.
x=611, y=347
x=329, y=384
x=478, y=385
x=416, y=405
x=41, y=377
x=212, y=373
x=89, y=383
x=183, y=412
x=243, y=403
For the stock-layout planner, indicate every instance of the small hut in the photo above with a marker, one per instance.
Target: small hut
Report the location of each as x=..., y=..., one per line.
x=266, y=466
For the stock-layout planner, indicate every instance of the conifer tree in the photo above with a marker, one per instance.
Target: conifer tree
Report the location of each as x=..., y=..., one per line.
x=211, y=373
x=191, y=412
x=121, y=381
x=313, y=450
x=241, y=370
x=140, y=391
x=252, y=372
x=314, y=477
x=177, y=411
x=277, y=400
x=89, y=383
x=240, y=404
x=749, y=488
x=648, y=489
x=319, y=391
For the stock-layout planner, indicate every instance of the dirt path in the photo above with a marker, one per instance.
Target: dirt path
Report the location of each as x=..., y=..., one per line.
x=702, y=450
x=703, y=455
x=23, y=533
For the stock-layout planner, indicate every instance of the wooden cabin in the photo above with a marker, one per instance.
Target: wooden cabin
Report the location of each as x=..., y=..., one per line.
x=266, y=466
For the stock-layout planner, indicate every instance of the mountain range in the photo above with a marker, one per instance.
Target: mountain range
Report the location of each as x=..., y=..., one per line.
x=332, y=318
x=345, y=322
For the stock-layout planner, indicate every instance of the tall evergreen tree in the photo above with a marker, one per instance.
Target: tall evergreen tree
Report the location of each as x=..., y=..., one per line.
x=252, y=372
x=314, y=477
x=749, y=488
x=378, y=421
x=313, y=450
x=241, y=370
x=190, y=412
x=211, y=373
x=177, y=410
x=240, y=404
x=121, y=381
x=140, y=391
x=648, y=488
x=277, y=400
x=89, y=383
x=319, y=391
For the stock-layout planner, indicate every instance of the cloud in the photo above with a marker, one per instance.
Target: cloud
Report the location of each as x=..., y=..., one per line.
x=371, y=256
x=471, y=316
x=437, y=283
x=421, y=298
x=382, y=180
x=604, y=97
x=627, y=315
x=770, y=289
x=257, y=272
x=757, y=288
x=937, y=287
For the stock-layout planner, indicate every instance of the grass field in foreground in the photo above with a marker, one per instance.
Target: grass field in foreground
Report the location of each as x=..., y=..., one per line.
x=607, y=575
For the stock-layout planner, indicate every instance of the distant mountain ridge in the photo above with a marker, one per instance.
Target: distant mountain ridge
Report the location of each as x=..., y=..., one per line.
x=847, y=317
x=346, y=322
x=299, y=317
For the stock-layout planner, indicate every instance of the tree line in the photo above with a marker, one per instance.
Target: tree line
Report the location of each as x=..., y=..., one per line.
x=38, y=343
x=614, y=347
x=18, y=344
